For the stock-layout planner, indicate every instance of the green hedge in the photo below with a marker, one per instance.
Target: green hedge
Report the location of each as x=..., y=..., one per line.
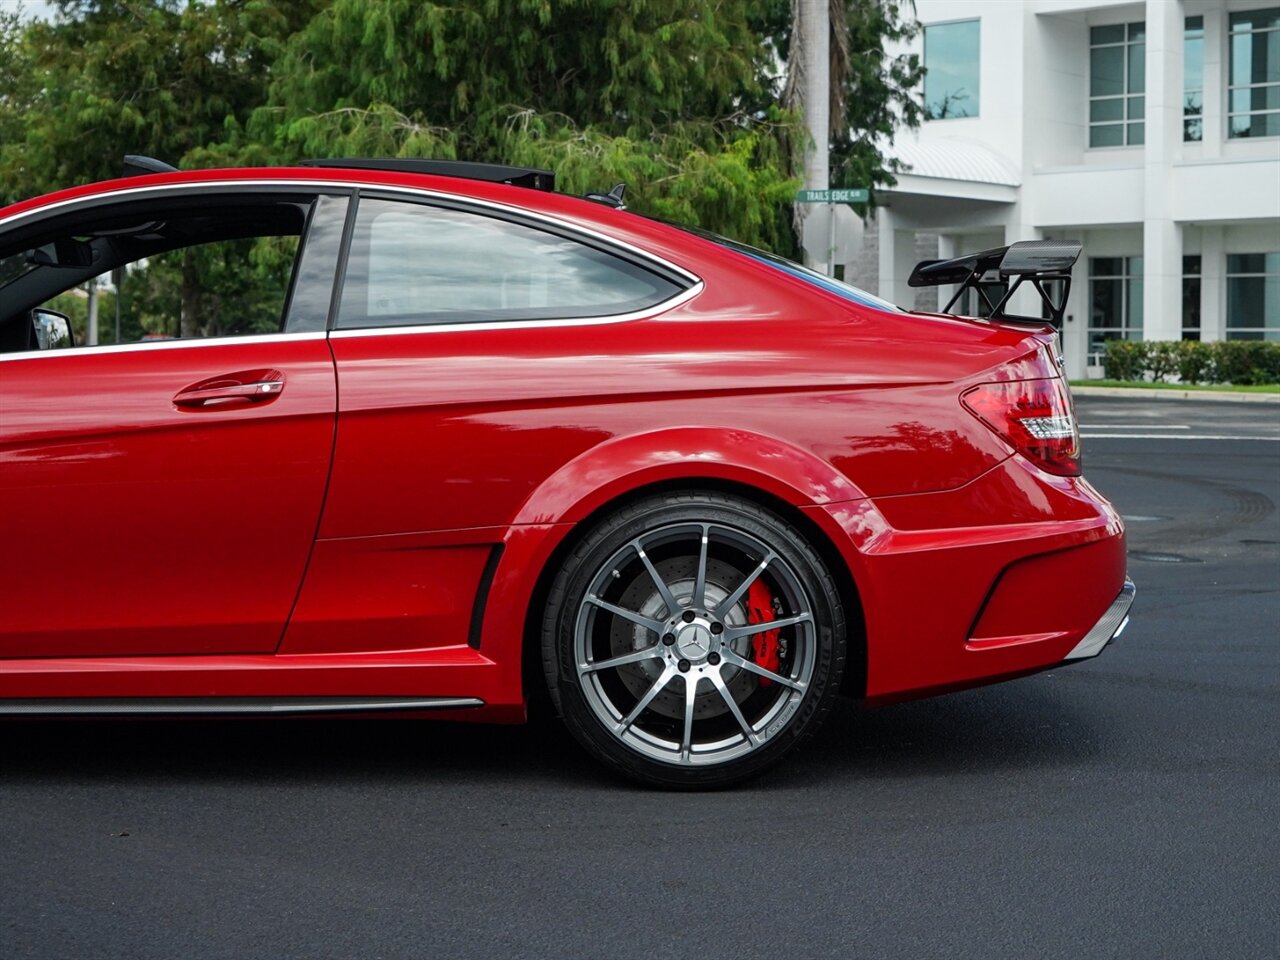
x=1240, y=362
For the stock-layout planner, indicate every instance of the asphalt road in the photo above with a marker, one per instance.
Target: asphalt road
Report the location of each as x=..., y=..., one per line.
x=1125, y=807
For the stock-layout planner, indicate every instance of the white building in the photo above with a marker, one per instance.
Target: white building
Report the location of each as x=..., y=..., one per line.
x=1149, y=131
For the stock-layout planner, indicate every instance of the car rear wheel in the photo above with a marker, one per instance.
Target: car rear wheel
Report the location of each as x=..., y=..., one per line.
x=692, y=640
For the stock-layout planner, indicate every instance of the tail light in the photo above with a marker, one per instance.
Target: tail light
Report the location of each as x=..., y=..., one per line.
x=1035, y=416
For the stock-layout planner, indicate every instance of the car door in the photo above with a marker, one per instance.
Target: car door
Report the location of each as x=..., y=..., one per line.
x=443, y=369
x=160, y=495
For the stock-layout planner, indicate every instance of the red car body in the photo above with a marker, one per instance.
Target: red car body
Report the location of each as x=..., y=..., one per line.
x=384, y=527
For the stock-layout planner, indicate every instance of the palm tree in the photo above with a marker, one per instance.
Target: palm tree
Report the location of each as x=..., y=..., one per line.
x=814, y=88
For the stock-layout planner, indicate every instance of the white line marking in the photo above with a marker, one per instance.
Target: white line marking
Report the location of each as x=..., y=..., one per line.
x=1132, y=426
x=1166, y=436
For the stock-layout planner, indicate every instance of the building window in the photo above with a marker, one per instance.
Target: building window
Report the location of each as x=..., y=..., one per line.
x=951, y=70
x=1117, y=82
x=1253, y=104
x=1253, y=296
x=1115, y=302
x=1191, y=298
x=1193, y=80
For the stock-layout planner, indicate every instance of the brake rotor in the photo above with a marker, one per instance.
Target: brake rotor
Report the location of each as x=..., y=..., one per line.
x=679, y=573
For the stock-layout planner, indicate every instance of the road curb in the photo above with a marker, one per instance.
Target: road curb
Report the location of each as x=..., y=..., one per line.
x=1139, y=392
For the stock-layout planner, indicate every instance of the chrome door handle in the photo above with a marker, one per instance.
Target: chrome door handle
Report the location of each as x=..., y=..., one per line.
x=222, y=390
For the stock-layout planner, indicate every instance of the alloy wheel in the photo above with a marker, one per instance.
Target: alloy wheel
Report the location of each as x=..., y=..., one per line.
x=695, y=643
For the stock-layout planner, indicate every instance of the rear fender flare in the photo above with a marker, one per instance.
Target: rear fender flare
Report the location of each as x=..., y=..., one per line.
x=611, y=470
x=615, y=467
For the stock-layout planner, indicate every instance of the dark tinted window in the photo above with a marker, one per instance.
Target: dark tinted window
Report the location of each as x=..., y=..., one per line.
x=413, y=264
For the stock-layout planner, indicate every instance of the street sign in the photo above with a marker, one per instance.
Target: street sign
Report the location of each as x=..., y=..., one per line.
x=838, y=195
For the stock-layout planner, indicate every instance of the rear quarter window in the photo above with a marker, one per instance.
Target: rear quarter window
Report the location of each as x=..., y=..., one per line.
x=413, y=263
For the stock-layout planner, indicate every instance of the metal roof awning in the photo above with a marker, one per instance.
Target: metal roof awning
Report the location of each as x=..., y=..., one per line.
x=962, y=169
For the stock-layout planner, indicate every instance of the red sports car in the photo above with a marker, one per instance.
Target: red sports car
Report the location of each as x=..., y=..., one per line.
x=414, y=437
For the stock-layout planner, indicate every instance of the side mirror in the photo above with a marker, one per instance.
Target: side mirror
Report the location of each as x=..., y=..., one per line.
x=50, y=330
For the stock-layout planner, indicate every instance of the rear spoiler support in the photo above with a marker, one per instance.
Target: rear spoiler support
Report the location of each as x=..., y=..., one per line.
x=1038, y=262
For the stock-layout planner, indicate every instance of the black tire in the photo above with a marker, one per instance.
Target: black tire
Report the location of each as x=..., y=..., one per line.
x=607, y=602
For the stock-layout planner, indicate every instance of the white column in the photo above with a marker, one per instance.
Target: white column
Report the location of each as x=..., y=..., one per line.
x=1161, y=280
x=1214, y=124
x=946, y=250
x=897, y=259
x=884, y=227
x=1161, y=237
x=1026, y=302
x=1213, y=284
x=1075, y=323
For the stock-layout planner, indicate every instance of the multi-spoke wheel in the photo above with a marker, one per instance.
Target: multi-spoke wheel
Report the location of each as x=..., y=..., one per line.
x=691, y=640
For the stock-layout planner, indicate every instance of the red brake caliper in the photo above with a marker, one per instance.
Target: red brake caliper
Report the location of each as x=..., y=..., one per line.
x=764, y=645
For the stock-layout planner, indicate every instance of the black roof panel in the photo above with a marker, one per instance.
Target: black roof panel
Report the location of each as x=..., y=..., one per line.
x=489, y=172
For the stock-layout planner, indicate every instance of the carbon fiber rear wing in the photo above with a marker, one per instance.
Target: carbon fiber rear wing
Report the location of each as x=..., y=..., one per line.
x=1038, y=261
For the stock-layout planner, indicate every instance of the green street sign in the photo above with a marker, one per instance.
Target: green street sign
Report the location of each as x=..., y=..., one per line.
x=839, y=195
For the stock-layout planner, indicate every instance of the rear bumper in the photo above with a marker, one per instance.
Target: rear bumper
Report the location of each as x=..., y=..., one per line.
x=1110, y=626
x=1011, y=574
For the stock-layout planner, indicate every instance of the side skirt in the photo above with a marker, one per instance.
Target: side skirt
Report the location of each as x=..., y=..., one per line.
x=224, y=706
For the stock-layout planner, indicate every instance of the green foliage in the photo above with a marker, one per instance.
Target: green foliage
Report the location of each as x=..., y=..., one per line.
x=160, y=77
x=464, y=63
x=1124, y=360
x=1238, y=362
x=74, y=305
x=732, y=184
x=1246, y=362
x=646, y=93
x=884, y=93
x=877, y=94
x=237, y=286
x=234, y=287
x=677, y=98
x=1162, y=359
x=16, y=89
x=174, y=79
x=1195, y=360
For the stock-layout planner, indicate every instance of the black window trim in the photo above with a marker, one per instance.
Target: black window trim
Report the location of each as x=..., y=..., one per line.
x=344, y=252
x=335, y=269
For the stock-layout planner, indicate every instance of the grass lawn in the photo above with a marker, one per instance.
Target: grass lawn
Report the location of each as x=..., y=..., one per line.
x=1221, y=387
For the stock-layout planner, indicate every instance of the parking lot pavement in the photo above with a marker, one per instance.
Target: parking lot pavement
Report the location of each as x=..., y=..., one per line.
x=1123, y=807
x=1195, y=481
x=1113, y=418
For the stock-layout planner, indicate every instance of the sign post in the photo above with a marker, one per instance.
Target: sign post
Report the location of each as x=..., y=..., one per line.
x=831, y=197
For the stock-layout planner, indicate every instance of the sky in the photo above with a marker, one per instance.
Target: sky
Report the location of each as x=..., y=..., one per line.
x=30, y=8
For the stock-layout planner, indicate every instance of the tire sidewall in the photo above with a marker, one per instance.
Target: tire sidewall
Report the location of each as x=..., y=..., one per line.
x=610, y=535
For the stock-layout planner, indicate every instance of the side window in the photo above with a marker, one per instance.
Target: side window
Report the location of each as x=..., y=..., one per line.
x=416, y=264
x=145, y=272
